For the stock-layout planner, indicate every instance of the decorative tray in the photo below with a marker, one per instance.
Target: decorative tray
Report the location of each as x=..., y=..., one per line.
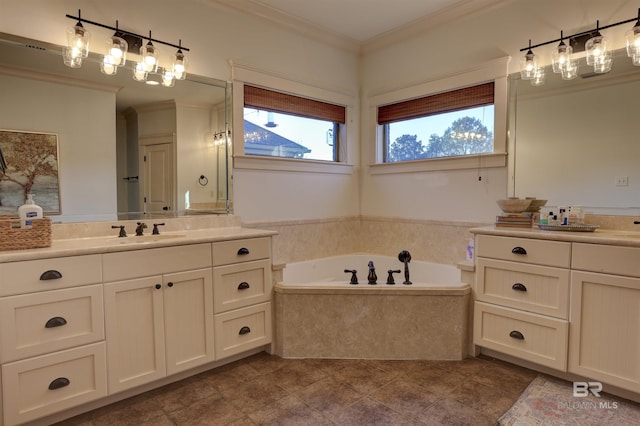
x=573, y=227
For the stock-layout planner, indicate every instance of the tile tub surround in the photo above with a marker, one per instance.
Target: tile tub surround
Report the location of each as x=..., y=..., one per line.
x=318, y=314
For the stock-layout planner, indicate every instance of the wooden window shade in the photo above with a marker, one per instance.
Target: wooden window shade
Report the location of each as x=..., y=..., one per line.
x=269, y=100
x=453, y=100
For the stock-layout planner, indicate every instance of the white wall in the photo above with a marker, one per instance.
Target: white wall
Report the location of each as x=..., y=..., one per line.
x=86, y=131
x=216, y=35
x=494, y=33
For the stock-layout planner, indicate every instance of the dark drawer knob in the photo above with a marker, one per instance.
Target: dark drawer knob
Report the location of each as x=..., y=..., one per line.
x=58, y=383
x=51, y=274
x=243, y=285
x=519, y=287
x=519, y=250
x=516, y=335
x=158, y=286
x=169, y=284
x=55, y=322
x=244, y=330
x=243, y=251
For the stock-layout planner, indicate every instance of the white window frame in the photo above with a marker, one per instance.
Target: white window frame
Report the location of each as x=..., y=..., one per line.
x=245, y=74
x=496, y=71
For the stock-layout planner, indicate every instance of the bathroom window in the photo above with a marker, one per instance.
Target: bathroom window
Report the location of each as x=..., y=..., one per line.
x=450, y=124
x=286, y=126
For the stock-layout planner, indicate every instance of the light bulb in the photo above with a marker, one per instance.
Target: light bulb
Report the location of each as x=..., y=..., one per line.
x=108, y=65
x=168, y=78
x=561, y=57
x=528, y=65
x=149, y=55
x=179, y=65
x=117, y=47
x=140, y=72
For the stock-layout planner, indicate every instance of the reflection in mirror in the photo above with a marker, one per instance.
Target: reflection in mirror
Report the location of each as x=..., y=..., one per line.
x=127, y=150
x=575, y=142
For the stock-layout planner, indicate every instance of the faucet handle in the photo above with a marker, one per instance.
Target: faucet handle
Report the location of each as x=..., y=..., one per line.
x=354, y=277
x=140, y=228
x=390, y=279
x=122, y=232
x=156, y=231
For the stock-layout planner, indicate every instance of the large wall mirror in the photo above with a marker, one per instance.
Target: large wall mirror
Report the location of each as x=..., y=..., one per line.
x=576, y=142
x=126, y=149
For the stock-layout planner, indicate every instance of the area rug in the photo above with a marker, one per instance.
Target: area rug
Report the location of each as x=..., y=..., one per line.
x=550, y=401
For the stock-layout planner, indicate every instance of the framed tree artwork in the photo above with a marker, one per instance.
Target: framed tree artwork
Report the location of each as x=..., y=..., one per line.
x=29, y=166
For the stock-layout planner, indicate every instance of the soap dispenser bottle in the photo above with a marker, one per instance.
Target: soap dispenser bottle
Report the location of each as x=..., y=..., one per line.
x=29, y=211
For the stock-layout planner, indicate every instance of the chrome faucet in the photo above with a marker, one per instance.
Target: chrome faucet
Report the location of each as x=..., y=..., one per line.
x=140, y=229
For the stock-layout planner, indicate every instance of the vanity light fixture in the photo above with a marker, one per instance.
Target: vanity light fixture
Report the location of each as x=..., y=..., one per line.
x=598, y=53
x=221, y=137
x=116, y=49
x=633, y=42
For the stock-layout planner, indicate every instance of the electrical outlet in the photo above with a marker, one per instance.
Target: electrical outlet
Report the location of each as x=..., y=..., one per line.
x=622, y=180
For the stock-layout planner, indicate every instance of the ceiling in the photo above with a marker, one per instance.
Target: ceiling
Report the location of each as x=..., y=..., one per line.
x=360, y=20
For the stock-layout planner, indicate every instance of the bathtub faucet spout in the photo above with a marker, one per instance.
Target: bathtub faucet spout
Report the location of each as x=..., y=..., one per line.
x=372, y=277
x=354, y=277
x=405, y=257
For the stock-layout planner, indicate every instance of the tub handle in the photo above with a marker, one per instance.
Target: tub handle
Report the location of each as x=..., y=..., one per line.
x=354, y=277
x=244, y=330
x=515, y=334
x=519, y=287
x=519, y=250
x=243, y=285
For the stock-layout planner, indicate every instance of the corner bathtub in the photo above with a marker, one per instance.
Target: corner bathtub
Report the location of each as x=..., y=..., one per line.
x=320, y=315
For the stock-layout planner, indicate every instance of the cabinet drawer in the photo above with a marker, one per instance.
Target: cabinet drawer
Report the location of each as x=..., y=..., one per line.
x=143, y=263
x=543, y=340
x=242, y=329
x=33, y=275
x=226, y=252
x=525, y=250
x=240, y=285
x=607, y=259
x=539, y=289
x=35, y=324
x=40, y=386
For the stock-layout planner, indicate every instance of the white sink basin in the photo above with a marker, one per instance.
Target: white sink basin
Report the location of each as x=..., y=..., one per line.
x=144, y=238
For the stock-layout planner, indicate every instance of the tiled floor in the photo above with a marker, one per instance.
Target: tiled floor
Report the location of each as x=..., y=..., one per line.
x=265, y=389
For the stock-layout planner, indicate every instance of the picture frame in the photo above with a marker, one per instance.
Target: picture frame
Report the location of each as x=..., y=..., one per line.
x=31, y=166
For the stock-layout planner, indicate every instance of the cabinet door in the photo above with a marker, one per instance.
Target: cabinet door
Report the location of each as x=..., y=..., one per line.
x=134, y=321
x=188, y=319
x=605, y=329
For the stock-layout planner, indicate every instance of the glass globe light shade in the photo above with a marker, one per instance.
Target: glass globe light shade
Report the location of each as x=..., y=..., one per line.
x=71, y=58
x=108, y=65
x=117, y=47
x=140, y=72
x=528, y=65
x=179, y=65
x=633, y=44
x=168, y=78
x=149, y=55
x=539, y=76
x=597, y=47
x=603, y=63
x=570, y=70
x=78, y=41
x=561, y=57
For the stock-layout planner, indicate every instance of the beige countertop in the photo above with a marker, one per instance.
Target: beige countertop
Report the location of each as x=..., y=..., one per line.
x=110, y=244
x=599, y=236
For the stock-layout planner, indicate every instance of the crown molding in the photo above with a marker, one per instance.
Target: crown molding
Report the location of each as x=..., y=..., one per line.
x=292, y=23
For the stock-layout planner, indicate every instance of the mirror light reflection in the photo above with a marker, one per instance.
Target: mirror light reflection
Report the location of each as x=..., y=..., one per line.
x=107, y=125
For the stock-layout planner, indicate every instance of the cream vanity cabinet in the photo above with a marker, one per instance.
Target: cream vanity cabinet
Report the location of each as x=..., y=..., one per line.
x=605, y=314
x=52, y=345
x=242, y=295
x=159, y=313
x=522, y=298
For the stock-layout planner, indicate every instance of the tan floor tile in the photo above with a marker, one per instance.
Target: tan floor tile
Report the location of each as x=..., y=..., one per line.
x=181, y=394
x=451, y=412
x=483, y=398
x=329, y=396
x=295, y=376
x=364, y=377
x=253, y=394
x=405, y=397
x=208, y=411
x=288, y=411
x=369, y=412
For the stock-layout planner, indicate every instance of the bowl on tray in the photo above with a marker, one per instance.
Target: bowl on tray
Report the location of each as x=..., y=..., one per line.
x=514, y=205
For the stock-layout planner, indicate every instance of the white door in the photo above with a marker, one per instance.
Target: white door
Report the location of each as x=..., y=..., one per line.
x=158, y=177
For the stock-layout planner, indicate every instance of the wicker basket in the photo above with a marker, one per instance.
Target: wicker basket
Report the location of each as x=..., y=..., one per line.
x=12, y=237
